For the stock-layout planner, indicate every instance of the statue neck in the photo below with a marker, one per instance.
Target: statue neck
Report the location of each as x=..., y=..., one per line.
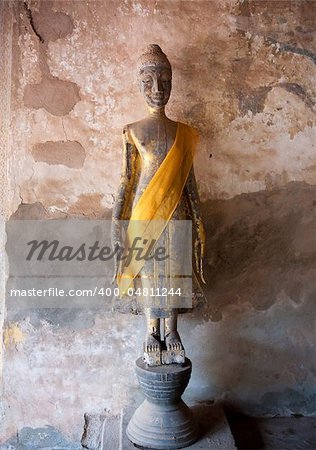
x=157, y=113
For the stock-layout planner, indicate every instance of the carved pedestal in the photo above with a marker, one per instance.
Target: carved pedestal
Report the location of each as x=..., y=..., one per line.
x=163, y=420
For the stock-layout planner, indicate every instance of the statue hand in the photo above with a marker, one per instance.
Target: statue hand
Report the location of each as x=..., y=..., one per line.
x=199, y=249
x=116, y=237
x=117, y=264
x=114, y=278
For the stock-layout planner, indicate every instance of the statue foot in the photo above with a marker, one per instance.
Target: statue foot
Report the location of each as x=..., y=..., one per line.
x=152, y=350
x=173, y=341
x=174, y=353
x=152, y=343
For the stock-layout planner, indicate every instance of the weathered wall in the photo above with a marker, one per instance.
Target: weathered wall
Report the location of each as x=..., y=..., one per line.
x=244, y=76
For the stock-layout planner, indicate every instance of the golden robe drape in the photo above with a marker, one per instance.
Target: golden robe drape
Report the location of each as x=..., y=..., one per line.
x=158, y=202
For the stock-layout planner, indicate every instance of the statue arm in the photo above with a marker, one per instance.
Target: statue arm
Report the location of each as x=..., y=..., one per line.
x=124, y=198
x=198, y=226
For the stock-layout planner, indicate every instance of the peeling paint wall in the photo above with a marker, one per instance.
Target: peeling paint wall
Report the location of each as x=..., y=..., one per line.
x=244, y=76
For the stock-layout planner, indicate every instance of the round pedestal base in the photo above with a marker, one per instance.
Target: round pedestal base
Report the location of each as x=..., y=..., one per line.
x=163, y=420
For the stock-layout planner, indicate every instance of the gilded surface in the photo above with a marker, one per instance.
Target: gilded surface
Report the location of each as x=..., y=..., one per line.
x=146, y=144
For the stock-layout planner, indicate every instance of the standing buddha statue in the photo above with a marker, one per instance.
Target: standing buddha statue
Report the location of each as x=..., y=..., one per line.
x=157, y=188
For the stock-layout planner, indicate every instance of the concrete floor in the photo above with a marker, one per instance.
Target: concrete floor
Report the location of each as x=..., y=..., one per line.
x=290, y=433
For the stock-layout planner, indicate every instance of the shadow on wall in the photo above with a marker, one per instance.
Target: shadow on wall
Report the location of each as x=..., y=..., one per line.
x=260, y=268
x=261, y=247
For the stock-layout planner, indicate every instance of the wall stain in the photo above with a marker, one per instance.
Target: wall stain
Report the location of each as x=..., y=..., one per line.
x=12, y=336
x=67, y=153
x=89, y=205
x=40, y=438
x=30, y=17
x=56, y=96
x=284, y=47
x=52, y=25
x=291, y=400
x=30, y=211
x=254, y=100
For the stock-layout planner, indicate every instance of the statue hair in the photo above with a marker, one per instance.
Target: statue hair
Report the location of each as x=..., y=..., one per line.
x=153, y=56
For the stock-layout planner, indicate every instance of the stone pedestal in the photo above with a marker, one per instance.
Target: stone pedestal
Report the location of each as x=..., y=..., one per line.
x=163, y=420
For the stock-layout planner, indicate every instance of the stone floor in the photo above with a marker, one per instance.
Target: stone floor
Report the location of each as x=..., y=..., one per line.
x=242, y=433
x=246, y=433
x=288, y=433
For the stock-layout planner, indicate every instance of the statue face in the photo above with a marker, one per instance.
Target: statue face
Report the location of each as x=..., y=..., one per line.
x=155, y=85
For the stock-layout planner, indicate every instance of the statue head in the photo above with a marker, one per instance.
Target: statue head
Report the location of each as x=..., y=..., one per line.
x=154, y=76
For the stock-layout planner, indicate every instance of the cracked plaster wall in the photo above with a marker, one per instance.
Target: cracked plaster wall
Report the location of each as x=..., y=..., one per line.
x=245, y=78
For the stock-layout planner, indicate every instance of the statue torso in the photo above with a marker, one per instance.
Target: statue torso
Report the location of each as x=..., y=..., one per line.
x=153, y=139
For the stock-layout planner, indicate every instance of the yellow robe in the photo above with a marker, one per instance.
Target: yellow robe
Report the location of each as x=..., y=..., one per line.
x=158, y=202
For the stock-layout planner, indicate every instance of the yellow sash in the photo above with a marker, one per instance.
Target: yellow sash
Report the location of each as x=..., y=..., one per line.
x=158, y=202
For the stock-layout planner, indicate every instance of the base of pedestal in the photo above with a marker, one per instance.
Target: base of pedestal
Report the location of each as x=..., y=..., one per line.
x=108, y=432
x=163, y=420
x=163, y=428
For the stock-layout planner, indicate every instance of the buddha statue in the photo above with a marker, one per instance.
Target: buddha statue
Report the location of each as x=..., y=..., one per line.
x=158, y=183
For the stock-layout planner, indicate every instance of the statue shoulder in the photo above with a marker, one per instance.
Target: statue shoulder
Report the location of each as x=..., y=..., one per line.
x=134, y=131
x=127, y=134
